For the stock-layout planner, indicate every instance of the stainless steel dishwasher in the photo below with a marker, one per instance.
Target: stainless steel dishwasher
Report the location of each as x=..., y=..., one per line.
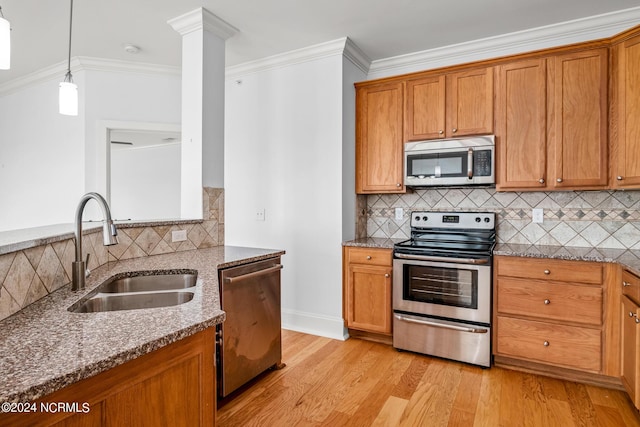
x=249, y=340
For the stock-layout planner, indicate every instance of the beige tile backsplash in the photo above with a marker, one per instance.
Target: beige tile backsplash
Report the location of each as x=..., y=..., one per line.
x=30, y=274
x=603, y=219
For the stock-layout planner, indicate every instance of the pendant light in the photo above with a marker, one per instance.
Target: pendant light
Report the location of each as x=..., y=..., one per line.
x=5, y=42
x=68, y=94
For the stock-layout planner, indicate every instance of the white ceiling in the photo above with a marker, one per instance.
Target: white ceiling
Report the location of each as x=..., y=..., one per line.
x=381, y=28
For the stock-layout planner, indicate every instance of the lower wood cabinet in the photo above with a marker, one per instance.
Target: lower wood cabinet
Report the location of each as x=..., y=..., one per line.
x=550, y=312
x=630, y=313
x=172, y=386
x=367, y=289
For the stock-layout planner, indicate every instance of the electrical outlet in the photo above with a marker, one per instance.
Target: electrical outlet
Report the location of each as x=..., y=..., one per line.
x=179, y=235
x=538, y=215
x=260, y=215
x=399, y=214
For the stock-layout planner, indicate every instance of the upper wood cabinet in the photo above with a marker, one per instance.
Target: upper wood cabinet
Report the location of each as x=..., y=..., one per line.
x=521, y=125
x=445, y=106
x=625, y=159
x=551, y=122
x=379, y=146
x=578, y=82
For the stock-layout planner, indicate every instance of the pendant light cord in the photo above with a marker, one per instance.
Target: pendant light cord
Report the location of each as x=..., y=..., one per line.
x=67, y=77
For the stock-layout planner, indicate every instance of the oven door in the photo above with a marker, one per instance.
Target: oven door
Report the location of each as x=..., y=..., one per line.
x=450, y=290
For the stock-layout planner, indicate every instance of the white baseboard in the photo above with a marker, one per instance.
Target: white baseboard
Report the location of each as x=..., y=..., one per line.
x=314, y=324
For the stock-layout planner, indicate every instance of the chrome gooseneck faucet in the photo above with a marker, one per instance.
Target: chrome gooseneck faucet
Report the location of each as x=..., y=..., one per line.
x=109, y=237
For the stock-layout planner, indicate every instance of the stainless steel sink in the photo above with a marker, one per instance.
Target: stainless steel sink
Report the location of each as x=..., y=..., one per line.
x=139, y=290
x=155, y=282
x=135, y=301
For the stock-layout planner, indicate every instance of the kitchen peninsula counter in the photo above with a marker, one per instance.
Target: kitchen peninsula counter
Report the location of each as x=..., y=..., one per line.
x=44, y=347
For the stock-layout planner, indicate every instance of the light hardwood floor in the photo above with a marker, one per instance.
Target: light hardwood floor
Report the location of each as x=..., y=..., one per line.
x=360, y=383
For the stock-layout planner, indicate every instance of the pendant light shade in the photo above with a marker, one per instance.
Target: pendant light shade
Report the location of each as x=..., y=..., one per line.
x=68, y=98
x=68, y=91
x=5, y=43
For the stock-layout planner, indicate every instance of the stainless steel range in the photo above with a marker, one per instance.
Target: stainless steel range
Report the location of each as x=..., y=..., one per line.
x=442, y=286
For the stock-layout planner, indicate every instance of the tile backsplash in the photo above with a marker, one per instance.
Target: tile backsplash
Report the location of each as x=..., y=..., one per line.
x=603, y=219
x=30, y=274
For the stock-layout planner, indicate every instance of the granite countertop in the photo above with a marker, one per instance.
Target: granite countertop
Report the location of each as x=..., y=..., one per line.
x=44, y=347
x=628, y=258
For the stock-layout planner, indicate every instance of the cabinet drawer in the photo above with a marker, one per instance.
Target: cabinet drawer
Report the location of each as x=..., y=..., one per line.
x=567, y=346
x=631, y=286
x=370, y=256
x=550, y=300
x=551, y=269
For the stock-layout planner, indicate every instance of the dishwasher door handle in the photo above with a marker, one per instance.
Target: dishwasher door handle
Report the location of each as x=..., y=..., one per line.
x=258, y=273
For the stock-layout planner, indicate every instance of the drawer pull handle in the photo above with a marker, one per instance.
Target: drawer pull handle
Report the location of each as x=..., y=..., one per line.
x=368, y=257
x=547, y=302
x=625, y=284
x=547, y=272
x=546, y=343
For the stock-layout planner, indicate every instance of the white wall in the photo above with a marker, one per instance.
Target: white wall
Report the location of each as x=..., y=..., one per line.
x=41, y=157
x=145, y=182
x=284, y=154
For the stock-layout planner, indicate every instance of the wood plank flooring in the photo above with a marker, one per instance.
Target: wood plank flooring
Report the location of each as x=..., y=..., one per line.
x=361, y=383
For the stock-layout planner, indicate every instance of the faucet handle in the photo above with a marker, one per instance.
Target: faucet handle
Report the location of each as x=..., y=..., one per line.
x=87, y=272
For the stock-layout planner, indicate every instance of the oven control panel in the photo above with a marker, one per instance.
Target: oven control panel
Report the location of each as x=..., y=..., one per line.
x=461, y=220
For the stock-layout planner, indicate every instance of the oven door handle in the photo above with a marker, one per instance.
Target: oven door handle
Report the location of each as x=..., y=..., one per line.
x=470, y=163
x=440, y=325
x=443, y=259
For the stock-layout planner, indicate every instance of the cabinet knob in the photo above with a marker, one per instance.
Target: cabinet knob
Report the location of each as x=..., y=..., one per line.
x=547, y=302
x=454, y=130
x=541, y=180
x=619, y=178
x=546, y=343
x=559, y=180
x=625, y=284
x=368, y=256
x=440, y=132
x=547, y=272
x=398, y=185
x=637, y=320
x=631, y=314
x=386, y=275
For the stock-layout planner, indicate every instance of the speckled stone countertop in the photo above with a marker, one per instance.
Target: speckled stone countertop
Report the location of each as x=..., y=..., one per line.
x=44, y=347
x=626, y=257
x=372, y=242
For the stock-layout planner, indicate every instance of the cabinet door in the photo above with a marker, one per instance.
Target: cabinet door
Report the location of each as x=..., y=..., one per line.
x=369, y=298
x=470, y=103
x=521, y=125
x=626, y=159
x=579, y=114
x=425, y=108
x=630, y=352
x=379, y=146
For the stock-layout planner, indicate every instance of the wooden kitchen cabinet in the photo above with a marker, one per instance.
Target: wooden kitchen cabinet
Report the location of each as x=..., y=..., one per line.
x=551, y=122
x=625, y=158
x=630, y=349
x=379, y=145
x=451, y=105
x=579, y=131
x=549, y=312
x=367, y=289
x=174, y=385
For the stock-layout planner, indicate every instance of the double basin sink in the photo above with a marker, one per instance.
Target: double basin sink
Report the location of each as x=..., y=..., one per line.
x=138, y=290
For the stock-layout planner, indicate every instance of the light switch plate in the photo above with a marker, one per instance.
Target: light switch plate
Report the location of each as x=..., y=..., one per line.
x=399, y=214
x=260, y=214
x=179, y=235
x=538, y=215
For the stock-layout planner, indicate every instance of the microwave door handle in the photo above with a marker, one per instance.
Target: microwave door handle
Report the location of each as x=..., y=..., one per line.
x=470, y=163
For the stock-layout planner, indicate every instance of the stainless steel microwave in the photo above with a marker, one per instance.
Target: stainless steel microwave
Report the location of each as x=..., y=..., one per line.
x=443, y=162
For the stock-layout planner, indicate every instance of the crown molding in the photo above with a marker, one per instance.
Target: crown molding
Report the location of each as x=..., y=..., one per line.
x=84, y=63
x=342, y=46
x=579, y=30
x=199, y=19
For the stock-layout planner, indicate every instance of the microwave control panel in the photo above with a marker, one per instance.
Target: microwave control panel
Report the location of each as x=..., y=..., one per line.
x=482, y=163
